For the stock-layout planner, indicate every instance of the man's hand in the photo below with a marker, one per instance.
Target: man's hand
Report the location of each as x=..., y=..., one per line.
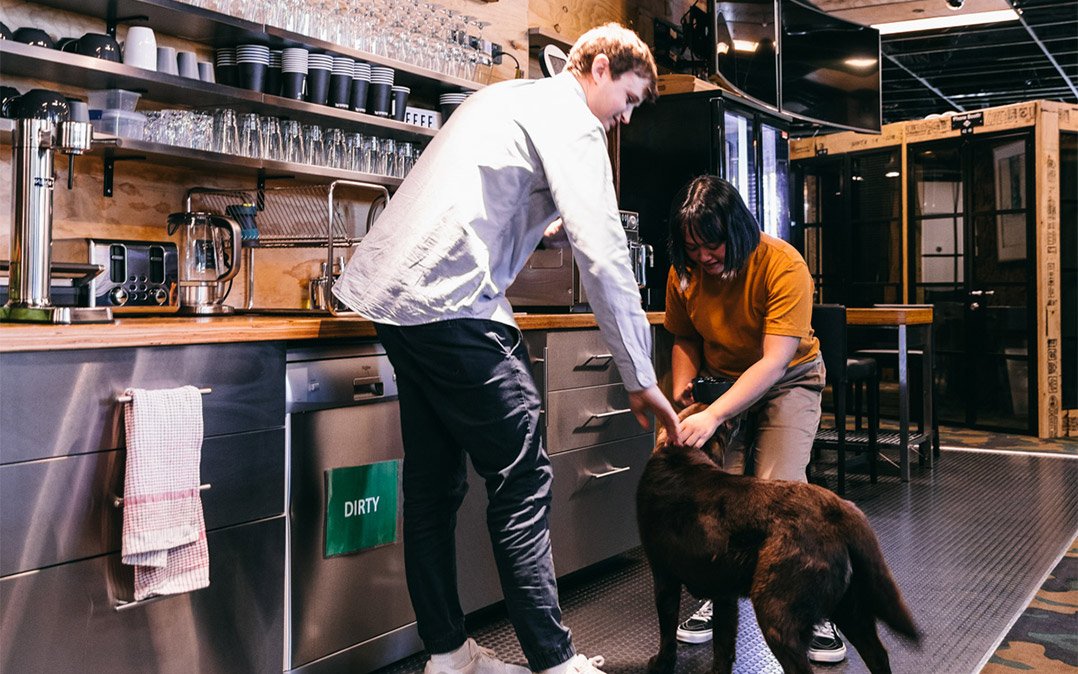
x=698, y=428
x=652, y=400
x=554, y=235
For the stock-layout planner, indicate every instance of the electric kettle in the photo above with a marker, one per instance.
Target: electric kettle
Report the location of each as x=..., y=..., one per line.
x=209, y=259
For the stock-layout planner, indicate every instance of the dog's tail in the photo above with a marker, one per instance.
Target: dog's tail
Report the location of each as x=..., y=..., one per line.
x=873, y=582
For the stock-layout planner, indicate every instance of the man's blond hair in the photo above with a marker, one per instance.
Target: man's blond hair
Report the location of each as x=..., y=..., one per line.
x=625, y=50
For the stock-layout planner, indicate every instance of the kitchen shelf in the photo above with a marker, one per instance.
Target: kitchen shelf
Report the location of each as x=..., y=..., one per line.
x=22, y=60
x=539, y=37
x=172, y=155
x=221, y=30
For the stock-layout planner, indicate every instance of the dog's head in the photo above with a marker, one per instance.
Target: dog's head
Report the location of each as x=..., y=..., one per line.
x=715, y=447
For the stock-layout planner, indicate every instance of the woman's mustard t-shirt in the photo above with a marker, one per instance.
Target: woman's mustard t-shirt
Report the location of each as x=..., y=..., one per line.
x=771, y=294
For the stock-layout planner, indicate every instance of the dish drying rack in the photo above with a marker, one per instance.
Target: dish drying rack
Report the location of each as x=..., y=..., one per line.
x=303, y=216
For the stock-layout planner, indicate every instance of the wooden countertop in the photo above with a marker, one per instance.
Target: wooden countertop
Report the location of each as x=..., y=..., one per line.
x=172, y=330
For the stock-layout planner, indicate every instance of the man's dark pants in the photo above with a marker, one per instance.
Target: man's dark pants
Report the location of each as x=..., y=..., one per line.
x=466, y=388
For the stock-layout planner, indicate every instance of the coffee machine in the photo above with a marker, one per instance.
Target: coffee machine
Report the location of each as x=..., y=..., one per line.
x=41, y=130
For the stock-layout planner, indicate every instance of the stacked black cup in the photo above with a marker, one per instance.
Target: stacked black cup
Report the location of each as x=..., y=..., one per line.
x=226, y=66
x=272, y=85
x=380, y=98
x=361, y=82
x=340, y=81
x=293, y=72
x=319, y=67
x=252, y=60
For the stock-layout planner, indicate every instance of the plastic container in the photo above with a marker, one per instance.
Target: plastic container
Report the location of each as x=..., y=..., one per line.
x=113, y=99
x=119, y=123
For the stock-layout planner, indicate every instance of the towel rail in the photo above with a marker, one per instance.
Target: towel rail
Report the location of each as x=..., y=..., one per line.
x=118, y=501
x=126, y=399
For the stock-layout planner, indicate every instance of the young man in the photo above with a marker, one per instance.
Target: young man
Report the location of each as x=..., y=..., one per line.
x=739, y=304
x=432, y=275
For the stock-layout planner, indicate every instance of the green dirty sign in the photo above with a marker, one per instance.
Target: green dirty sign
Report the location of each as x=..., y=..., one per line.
x=361, y=507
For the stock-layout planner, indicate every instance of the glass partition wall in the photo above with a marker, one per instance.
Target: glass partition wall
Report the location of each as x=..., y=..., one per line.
x=971, y=252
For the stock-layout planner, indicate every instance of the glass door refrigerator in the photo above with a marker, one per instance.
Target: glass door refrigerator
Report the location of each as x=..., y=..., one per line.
x=683, y=136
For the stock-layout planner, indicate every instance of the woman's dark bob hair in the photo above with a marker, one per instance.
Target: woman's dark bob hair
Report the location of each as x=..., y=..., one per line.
x=712, y=211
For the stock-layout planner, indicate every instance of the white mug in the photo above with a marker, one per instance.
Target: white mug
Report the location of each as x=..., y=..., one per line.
x=140, y=48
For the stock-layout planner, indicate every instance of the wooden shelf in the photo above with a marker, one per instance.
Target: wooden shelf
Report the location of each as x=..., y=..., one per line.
x=221, y=30
x=21, y=60
x=539, y=37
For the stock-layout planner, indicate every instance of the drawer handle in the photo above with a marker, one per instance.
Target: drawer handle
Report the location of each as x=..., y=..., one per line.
x=126, y=399
x=128, y=605
x=118, y=501
x=604, y=357
x=602, y=416
x=609, y=473
x=372, y=387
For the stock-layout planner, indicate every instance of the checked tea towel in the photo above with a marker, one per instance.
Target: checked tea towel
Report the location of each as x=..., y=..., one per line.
x=164, y=533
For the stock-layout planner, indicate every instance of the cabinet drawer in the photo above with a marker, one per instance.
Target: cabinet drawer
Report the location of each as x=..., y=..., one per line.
x=63, y=618
x=588, y=416
x=578, y=358
x=593, y=509
x=58, y=510
x=60, y=403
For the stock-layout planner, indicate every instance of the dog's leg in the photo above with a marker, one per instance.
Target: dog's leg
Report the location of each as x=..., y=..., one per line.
x=667, y=604
x=784, y=634
x=724, y=635
x=858, y=625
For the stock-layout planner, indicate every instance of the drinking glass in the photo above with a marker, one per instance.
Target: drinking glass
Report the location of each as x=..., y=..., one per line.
x=405, y=159
x=334, y=144
x=272, y=142
x=353, y=149
x=226, y=134
x=292, y=142
x=201, y=131
x=314, y=145
x=251, y=135
x=387, y=157
x=372, y=151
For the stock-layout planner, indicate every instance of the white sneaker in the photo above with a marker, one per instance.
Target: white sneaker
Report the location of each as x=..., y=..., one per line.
x=471, y=658
x=826, y=644
x=697, y=629
x=579, y=664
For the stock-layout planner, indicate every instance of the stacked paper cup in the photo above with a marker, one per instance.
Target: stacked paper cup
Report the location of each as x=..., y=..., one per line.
x=450, y=102
x=252, y=60
x=340, y=81
x=273, y=75
x=293, y=72
x=381, y=91
x=226, y=66
x=361, y=81
x=319, y=66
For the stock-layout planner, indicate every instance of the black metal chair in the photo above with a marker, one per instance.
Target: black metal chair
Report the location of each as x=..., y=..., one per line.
x=829, y=324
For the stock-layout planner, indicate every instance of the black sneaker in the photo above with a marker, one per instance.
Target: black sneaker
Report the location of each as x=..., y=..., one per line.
x=697, y=629
x=826, y=644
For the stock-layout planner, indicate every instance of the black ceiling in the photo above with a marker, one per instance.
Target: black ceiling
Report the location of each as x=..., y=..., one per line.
x=974, y=67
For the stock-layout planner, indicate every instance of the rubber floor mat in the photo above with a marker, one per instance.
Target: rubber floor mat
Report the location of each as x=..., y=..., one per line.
x=968, y=543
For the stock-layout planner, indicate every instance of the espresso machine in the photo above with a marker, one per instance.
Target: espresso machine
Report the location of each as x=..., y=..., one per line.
x=41, y=130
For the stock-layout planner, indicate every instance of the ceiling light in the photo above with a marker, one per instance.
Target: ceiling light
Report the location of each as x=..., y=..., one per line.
x=950, y=21
x=860, y=63
x=891, y=174
x=745, y=45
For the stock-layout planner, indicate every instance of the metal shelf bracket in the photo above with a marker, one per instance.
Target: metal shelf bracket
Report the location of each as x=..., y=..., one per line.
x=110, y=167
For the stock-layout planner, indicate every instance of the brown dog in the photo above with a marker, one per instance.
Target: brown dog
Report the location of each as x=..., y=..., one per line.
x=798, y=551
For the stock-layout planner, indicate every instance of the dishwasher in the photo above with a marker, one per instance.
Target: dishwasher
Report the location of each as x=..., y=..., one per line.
x=347, y=600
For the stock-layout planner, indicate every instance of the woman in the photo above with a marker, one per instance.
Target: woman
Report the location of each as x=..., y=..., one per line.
x=739, y=304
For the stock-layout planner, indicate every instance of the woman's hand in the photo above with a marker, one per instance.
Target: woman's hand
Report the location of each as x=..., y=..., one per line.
x=698, y=428
x=684, y=397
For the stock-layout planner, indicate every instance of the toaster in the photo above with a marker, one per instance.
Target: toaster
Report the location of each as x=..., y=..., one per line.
x=139, y=276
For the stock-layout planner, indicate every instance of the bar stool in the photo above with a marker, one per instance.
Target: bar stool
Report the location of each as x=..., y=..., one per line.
x=829, y=324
